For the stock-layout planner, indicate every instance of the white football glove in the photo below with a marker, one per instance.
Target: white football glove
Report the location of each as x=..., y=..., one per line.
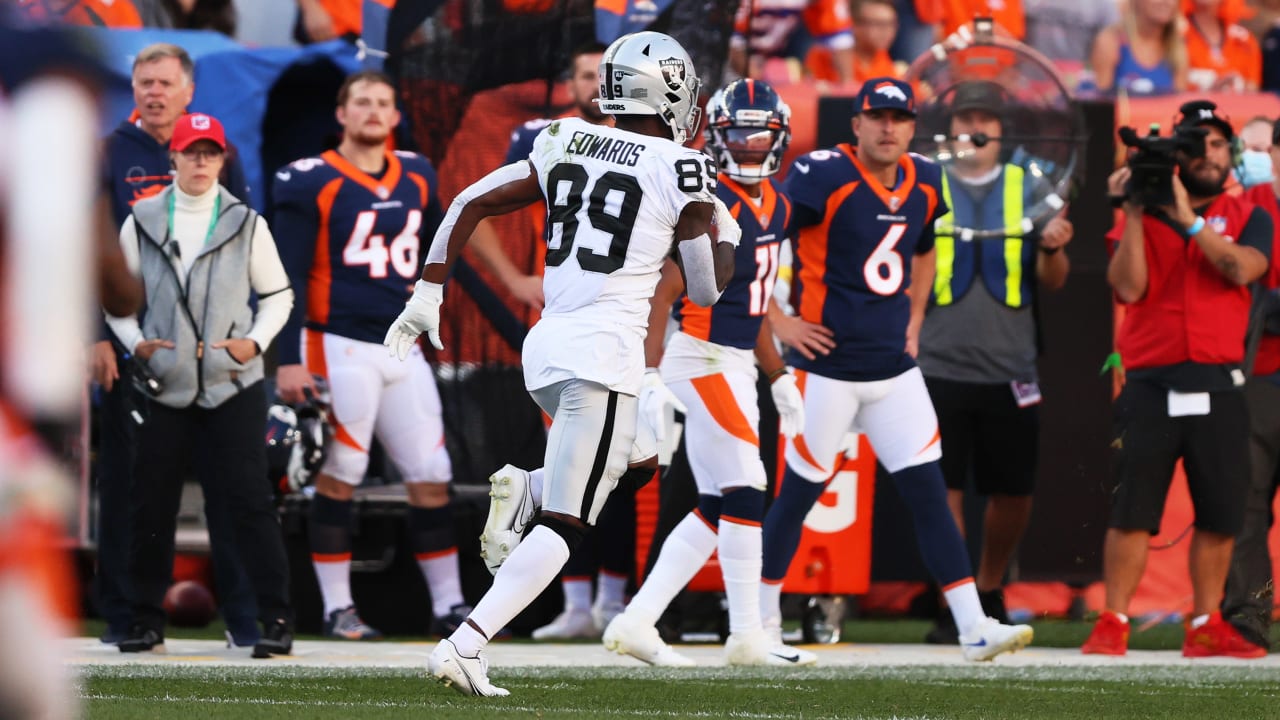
x=420, y=315
x=654, y=400
x=727, y=228
x=790, y=405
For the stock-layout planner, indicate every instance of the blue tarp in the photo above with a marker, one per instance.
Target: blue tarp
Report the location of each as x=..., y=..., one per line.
x=233, y=82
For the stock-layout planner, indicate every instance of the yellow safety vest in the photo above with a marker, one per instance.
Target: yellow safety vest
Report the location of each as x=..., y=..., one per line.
x=1006, y=282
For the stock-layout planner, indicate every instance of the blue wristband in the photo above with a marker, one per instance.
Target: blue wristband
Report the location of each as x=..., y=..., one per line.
x=1196, y=226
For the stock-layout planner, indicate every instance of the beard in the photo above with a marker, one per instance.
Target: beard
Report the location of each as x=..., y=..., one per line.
x=1198, y=186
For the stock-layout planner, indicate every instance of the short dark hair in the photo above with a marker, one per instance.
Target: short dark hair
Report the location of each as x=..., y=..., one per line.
x=1275, y=132
x=587, y=48
x=370, y=76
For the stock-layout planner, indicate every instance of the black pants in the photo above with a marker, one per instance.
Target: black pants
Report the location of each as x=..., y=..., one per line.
x=1249, y=598
x=115, y=517
x=225, y=445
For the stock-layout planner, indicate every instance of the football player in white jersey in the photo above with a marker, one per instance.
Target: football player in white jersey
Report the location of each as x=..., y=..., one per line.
x=618, y=200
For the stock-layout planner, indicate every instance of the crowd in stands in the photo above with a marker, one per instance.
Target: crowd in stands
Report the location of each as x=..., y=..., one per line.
x=1138, y=47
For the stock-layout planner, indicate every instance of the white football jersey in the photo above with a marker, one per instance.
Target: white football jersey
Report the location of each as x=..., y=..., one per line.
x=613, y=199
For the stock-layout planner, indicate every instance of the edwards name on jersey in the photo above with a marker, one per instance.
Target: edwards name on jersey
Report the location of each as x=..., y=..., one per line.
x=353, y=243
x=613, y=200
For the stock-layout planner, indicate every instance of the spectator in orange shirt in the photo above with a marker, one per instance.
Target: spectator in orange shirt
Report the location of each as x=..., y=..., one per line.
x=1221, y=55
x=94, y=13
x=1145, y=53
x=320, y=20
x=767, y=28
x=1008, y=15
x=875, y=26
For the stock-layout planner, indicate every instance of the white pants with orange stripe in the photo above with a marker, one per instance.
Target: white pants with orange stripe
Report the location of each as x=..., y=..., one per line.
x=373, y=393
x=718, y=386
x=895, y=414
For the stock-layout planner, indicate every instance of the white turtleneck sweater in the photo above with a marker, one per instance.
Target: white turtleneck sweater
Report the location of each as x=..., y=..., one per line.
x=191, y=216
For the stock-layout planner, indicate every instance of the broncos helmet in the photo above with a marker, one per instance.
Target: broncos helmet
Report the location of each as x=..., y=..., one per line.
x=748, y=129
x=648, y=73
x=298, y=441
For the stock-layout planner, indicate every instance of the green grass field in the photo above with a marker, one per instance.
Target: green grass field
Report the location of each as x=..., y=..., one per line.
x=1237, y=691
x=958, y=692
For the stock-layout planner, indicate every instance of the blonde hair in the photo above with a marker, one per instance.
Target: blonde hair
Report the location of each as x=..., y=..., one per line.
x=162, y=50
x=1175, y=46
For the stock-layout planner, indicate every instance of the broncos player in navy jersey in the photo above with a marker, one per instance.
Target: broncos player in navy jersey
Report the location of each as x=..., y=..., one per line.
x=353, y=225
x=710, y=366
x=865, y=215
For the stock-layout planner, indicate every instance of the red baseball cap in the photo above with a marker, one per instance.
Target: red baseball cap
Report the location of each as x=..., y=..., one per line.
x=193, y=127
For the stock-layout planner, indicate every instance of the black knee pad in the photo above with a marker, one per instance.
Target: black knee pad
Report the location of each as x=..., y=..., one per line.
x=635, y=478
x=570, y=533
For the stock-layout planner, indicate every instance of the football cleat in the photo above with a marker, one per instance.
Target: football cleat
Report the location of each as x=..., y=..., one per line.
x=511, y=512
x=277, y=639
x=568, y=625
x=628, y=636
x=989, y=639
x=345, y=624
x=142, y=639
x=469, y=676
x=756, y=648
x=603, y=613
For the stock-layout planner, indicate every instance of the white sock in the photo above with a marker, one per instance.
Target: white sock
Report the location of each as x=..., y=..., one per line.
x=1199, y=620
x=683, y=553
x=611, y=588
x=526, y=573
x=966, y=608
x=771, y=604
x=740, y=563
x=535, y=486
x=441, y=574
x=334, y=577
x=577, y=593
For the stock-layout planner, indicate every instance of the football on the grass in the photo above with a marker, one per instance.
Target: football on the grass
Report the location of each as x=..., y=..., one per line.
x=189, y=604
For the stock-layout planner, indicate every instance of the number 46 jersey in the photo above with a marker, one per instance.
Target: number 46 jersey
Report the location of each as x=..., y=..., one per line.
x=853, y=257
x=352, y=243
x=613, y=200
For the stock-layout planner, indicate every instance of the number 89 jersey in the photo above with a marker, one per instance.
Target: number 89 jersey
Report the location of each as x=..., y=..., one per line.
x=853, y=257
x=613, y=200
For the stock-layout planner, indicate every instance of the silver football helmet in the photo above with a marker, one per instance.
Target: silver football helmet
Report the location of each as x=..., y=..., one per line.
x=648, y=73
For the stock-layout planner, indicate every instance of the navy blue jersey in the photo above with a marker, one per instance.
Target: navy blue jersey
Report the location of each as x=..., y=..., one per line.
x=522, y=140
x=853, y=257
x=735, y=319
x=353, y=244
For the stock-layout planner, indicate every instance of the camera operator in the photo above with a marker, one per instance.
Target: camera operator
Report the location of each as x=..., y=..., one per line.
x=1183, y=271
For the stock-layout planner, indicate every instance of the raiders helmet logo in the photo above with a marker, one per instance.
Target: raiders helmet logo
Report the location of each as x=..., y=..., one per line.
x=673, y=71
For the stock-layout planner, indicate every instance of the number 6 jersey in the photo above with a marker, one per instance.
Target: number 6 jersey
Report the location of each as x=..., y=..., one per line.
x=352, y=243
x=613, y=199
x=853, y=257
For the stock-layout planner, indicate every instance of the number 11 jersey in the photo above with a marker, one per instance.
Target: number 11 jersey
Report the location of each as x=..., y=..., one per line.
x=613, y=200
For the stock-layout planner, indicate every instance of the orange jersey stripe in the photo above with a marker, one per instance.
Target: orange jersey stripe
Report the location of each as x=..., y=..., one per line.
x=320, y=280
x=314, y=359
x=695, y=320
x=739, y=521
x=382, y=188
x=723, y=406
x=958, y=583
x=898, y=197
x=698, y=514
x=811, y=251
x=937, y=437
x=421, y=182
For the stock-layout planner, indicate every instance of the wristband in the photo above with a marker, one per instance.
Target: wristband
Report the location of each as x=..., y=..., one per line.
x=777, y=374
x=1196, y=226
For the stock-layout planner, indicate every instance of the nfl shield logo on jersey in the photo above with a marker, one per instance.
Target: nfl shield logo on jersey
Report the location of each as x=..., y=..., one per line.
x=673, y=71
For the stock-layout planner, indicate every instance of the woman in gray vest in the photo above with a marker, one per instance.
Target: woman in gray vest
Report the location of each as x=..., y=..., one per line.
x=202, y=254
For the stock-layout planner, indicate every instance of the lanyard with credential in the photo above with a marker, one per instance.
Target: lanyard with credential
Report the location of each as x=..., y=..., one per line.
x=213, y=220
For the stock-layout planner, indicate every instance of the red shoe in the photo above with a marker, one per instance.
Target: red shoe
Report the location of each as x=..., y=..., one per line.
x=1110, y=636
x=1218, y=637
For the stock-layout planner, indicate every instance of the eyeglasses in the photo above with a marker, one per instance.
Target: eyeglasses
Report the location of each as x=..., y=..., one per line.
x=195, y=154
